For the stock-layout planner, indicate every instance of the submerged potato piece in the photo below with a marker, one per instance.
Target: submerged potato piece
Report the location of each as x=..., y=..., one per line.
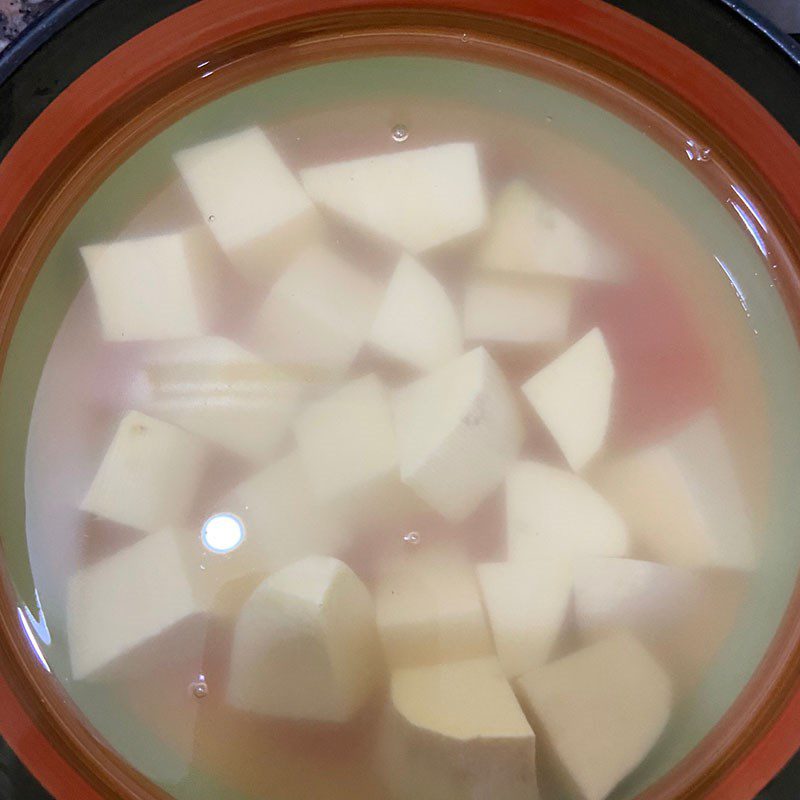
x=117, y=604
x=456, y=730
x=573, y=394
x=527, y=603
x=416, y=321
x=149, y=475
x=318, y=313
x=457, y=430
x=253, y=204
x=517, y=313
x=347, y=441
x=682, y=500
x=419, y=199
x=305, y=645
x=218, y=390
x=598, y=712
x=153, y=288
x=551, y=512
x=530, y=234
x=429, y=610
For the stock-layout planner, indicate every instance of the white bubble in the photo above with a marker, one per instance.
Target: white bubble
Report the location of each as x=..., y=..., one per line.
x=400, y=133
x=222, y=533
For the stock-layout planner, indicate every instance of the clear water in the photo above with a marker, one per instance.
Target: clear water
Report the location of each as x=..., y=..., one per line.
x=694, y=324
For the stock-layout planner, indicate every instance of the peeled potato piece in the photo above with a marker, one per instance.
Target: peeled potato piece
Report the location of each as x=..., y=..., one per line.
x=527, y=603
x=305, y=645
x=457, y=430
x=683, y=501
x=418, y=199
x=456, y=730
x=416, y=322
x=572, y=395
x=598, y=712
x=253, y=204
x=551, y=512
x=149, y=475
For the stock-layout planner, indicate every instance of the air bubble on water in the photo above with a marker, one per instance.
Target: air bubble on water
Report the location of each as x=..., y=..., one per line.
x=199, y=688
x=211, y=217
x=400, y=133
x=412, y=537
x=696, y=151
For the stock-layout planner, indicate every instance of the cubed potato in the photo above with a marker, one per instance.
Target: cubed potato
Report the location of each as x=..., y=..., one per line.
x=253, y=204
x=682, y=500
x=527, y=603
x=530, y=234
x=551, y=512
x=598, y=712
x=118, y=604
x=305, y=645
x=646, y=598
x=457, y=431
x=516, y=313
x=149, y=475
x=153, y=288
x=213, y=387
x=429, y=609
x=455, y=730
x=418, y=199
x=572, y=395
x=318, y=313
x=347, y=441
x=416, y=322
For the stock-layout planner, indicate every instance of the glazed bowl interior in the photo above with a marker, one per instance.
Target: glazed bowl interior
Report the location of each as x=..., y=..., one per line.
x=729, y=263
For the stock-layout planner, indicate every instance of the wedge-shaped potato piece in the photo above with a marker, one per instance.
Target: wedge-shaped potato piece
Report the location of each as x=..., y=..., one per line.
x=305, y=645
x=318, y=313
x=416, y=322
x=682, y=500
x=149, y=475
x=456, y=730
x=573, y=395
x=527, y=604
x=457, y=430
x=598, y=712
x=646, y=598
x=153, y=288
x=347, y=441
x=530, y=234
x=213, y=387
x=253, y=204
x=418, y=199
x=118, y=604
x=551, y=512
x=518, y=313
x=429, y=610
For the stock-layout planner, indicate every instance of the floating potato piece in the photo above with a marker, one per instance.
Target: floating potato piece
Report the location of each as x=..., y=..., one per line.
x=527, y=603
x=419, y=199
x=305, y=645
x=457, y=430
x=347, y=441
x=551, y=512
x=572, y=395
x=253, y=204
x=153, y=288
x=149, y=475
x=429, y=610
x=531, y=235
x=500, y=311
x=598, y=712
x=213, y=387
x=117, y=604
x=416, y=321
x=683, y=501
x=456, y=730
x=318, y=313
